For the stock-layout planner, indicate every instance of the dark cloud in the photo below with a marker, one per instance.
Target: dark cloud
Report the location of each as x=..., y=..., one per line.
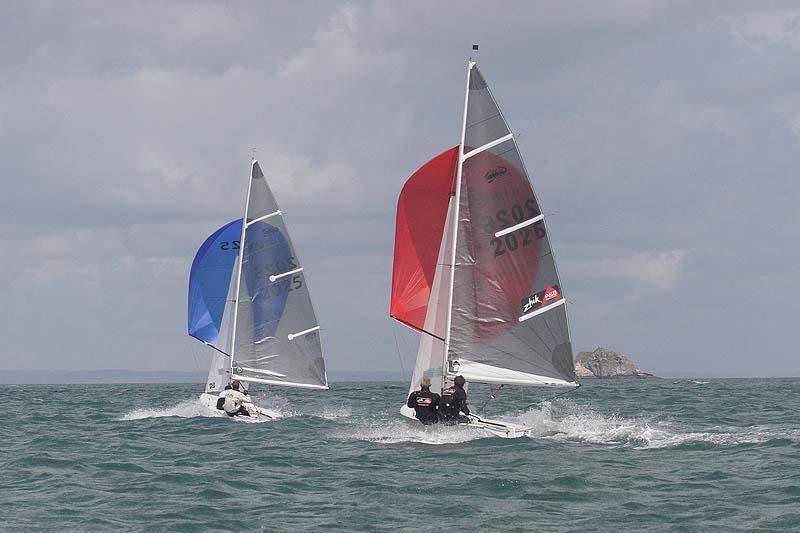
x=662, y=138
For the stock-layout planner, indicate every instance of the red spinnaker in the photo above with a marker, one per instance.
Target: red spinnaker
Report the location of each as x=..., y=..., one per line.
x=421, y=213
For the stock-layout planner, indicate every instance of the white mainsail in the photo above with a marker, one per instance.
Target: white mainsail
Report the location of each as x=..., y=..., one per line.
x=249, y=300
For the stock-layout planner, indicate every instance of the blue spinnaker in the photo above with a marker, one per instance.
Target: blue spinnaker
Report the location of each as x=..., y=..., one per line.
x=210, y=281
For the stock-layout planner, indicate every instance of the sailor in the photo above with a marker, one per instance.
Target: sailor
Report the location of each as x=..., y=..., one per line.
x=221, y=399
x=234, y=400
x=454, y=402
x=424, y=402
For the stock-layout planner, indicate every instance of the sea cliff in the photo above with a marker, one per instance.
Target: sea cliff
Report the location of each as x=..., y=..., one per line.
x=603, y=363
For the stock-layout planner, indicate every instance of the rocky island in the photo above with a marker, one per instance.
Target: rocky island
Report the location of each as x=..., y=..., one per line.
x=602, y=363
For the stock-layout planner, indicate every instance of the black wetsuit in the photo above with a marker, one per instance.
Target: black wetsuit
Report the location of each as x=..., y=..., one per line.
x=453, y=403
x=425, y=404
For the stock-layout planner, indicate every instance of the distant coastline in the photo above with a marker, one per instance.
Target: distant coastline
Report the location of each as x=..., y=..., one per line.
x=75, y=377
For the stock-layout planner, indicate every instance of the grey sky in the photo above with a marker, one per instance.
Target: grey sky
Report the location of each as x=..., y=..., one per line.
x=661, y=137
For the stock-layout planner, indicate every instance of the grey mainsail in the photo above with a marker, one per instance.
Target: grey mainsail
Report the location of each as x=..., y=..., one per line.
x=509, y=322
x=495, y=309
x=276, y=335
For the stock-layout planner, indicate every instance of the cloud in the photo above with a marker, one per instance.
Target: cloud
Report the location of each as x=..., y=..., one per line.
x=771, y=27
x=658, y=270
x=662, y=135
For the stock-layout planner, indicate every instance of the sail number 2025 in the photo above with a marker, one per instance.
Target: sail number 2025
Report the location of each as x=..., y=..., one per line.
x=505, y=218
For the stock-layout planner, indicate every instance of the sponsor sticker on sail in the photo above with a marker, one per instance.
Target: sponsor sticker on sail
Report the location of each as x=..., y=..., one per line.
x=541, y=299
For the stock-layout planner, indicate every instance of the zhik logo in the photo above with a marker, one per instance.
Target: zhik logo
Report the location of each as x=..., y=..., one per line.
x=541, y=299
x=495, y=173
x=532, y=300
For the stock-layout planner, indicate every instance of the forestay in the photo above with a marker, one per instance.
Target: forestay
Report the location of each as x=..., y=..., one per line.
x=276, y=334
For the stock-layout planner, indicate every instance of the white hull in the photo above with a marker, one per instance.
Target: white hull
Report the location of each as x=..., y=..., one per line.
x=504, y=430
x=498, y=428
x=256, y=413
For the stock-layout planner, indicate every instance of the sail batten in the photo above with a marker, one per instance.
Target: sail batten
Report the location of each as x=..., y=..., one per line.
x=491, y=144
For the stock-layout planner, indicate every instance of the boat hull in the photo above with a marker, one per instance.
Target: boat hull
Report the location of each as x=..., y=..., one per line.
x=256, y=413
x=498, y=428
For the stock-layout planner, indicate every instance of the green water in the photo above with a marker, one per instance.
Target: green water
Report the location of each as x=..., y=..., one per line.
x=626, y=455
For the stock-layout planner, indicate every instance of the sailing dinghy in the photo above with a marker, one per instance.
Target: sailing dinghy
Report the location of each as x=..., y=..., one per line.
x=249, y=301
x=473, y=270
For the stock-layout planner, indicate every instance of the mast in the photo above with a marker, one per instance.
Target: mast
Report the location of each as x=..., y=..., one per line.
x=457, y=200
x=241, y=255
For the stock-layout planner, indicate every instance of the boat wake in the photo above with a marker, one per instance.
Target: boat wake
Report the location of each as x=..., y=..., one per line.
x=195, y=408
x=330, y=413
x=567, y=422
x=401, y=430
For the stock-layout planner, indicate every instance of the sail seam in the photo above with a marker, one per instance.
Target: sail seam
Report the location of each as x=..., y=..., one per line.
x=487, y=118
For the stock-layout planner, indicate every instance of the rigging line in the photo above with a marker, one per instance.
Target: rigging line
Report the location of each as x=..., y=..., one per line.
x=492, y=396
x=195, y=361
x=399, y=356
x=194, y=356
x=553, y=397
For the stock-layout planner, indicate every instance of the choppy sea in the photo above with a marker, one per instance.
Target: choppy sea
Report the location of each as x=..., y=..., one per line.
x=615, y=455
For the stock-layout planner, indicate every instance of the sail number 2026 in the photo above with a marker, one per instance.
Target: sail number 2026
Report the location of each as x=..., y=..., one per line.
x=505, y=218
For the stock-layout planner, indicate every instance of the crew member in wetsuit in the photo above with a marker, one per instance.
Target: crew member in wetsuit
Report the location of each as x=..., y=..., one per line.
x=454, y=402
x=221, y=399
x=425, y=403
x=234, y=400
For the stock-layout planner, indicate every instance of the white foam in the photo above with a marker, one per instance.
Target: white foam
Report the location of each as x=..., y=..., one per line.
x=275, y=402
x=196, y=408
x=186, y=409
x=402, y=430
x=574, y=423
x=331, y=413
